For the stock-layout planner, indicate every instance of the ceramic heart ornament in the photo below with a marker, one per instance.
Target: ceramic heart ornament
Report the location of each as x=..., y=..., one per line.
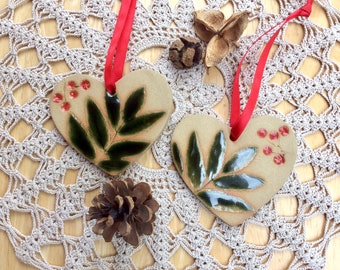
x=233, y=179
x=112, y=130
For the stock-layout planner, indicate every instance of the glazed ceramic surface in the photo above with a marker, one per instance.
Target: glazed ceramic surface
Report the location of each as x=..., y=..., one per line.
x=233, y=179
x=112, y=130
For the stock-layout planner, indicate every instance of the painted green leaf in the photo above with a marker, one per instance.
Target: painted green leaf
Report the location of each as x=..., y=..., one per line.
x=79, y=138
x=127, y=148
x=240, y=160
x=238, y=181
x=223, y=202
x=113, y=108
x=97, y=126
x=133, y=104
x=216, y=155
x=140, y=123
x=113, y=165
x=196, y=171
x=177, y=157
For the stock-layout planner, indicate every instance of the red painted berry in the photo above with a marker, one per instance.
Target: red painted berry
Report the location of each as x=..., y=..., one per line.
x=284, y=130
x=73, y=94
x=71, y=85
x=65, y=106
x=273, y=135
x=279, y=159
x=85, y=84
x=267, y=150
x=57, y=98
x=262, y=132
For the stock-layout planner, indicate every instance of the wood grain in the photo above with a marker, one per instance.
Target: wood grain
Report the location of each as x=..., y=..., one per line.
x=255, y=234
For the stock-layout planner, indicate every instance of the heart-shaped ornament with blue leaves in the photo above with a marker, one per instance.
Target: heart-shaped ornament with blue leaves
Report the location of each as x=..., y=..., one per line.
x=233, y=179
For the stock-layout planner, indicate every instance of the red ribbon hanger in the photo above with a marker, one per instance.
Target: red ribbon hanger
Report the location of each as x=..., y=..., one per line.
x=119, y=44
x=238, y=119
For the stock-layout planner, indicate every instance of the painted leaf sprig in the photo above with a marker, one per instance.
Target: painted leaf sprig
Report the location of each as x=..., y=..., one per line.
x=124, y=121
x=177, y=157
x=113, y=165
x=126, y=148
x=238, y=181
x=80, y=139
x=97, y=126
x=133, y=123
x=223, y=177
x=140, y=123
x=216, y=156
x=239, y=161
x=223, y=202
x=113, y=108
x=196, y=171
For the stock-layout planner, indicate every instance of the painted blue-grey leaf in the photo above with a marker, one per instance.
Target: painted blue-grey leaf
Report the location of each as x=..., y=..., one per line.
x=196, y=171
x=133, y=104
x=126, y=148
x=240, y=160
x=216, y=155
x=113, y=108
x=223, y=202
x=140, y=123
x=238, y=181
x=79, y=138
x=113, y=165
x=177, y=157
x=97, y=126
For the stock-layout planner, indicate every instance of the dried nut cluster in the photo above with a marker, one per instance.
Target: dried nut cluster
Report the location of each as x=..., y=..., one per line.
x=125, y=208
x=221, y=34
x=185, y=52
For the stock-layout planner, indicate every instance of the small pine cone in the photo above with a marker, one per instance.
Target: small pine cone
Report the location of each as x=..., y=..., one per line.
x=125, y=208
x=185, y=52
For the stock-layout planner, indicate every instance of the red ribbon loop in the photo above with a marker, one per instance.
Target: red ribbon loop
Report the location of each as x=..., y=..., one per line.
x=119, y=43
x=239, y=120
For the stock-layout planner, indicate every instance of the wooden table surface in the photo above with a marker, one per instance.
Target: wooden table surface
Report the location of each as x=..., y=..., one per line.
x=255, y=234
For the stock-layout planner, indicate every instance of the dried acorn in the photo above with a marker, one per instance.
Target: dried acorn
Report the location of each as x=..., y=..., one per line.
x=185, y=52
x=124, y=208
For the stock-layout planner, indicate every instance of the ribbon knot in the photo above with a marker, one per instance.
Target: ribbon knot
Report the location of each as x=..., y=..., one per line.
x=303, y=11
x=306, y=10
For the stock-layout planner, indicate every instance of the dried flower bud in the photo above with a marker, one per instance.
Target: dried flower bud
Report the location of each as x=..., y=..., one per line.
x=207, y=23
x=185, y=52
x=221, y=34
x=217, y=49
x=233, y=28
x=124, y=208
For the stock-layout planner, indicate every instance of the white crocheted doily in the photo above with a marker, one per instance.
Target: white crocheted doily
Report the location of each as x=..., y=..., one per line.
x=58, y=173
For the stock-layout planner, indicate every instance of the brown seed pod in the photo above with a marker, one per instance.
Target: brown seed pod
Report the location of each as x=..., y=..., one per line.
x=207, y=23
x=221, y=34
x=185, y=52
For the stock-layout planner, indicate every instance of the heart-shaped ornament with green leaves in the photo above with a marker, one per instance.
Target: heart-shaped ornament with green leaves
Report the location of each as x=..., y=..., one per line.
x=233, y=179
x=112, y=131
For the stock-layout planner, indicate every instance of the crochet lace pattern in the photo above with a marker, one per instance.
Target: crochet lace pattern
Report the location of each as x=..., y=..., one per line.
x=57, y=172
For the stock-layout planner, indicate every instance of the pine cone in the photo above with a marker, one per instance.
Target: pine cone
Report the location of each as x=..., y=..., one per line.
x=124, y=208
